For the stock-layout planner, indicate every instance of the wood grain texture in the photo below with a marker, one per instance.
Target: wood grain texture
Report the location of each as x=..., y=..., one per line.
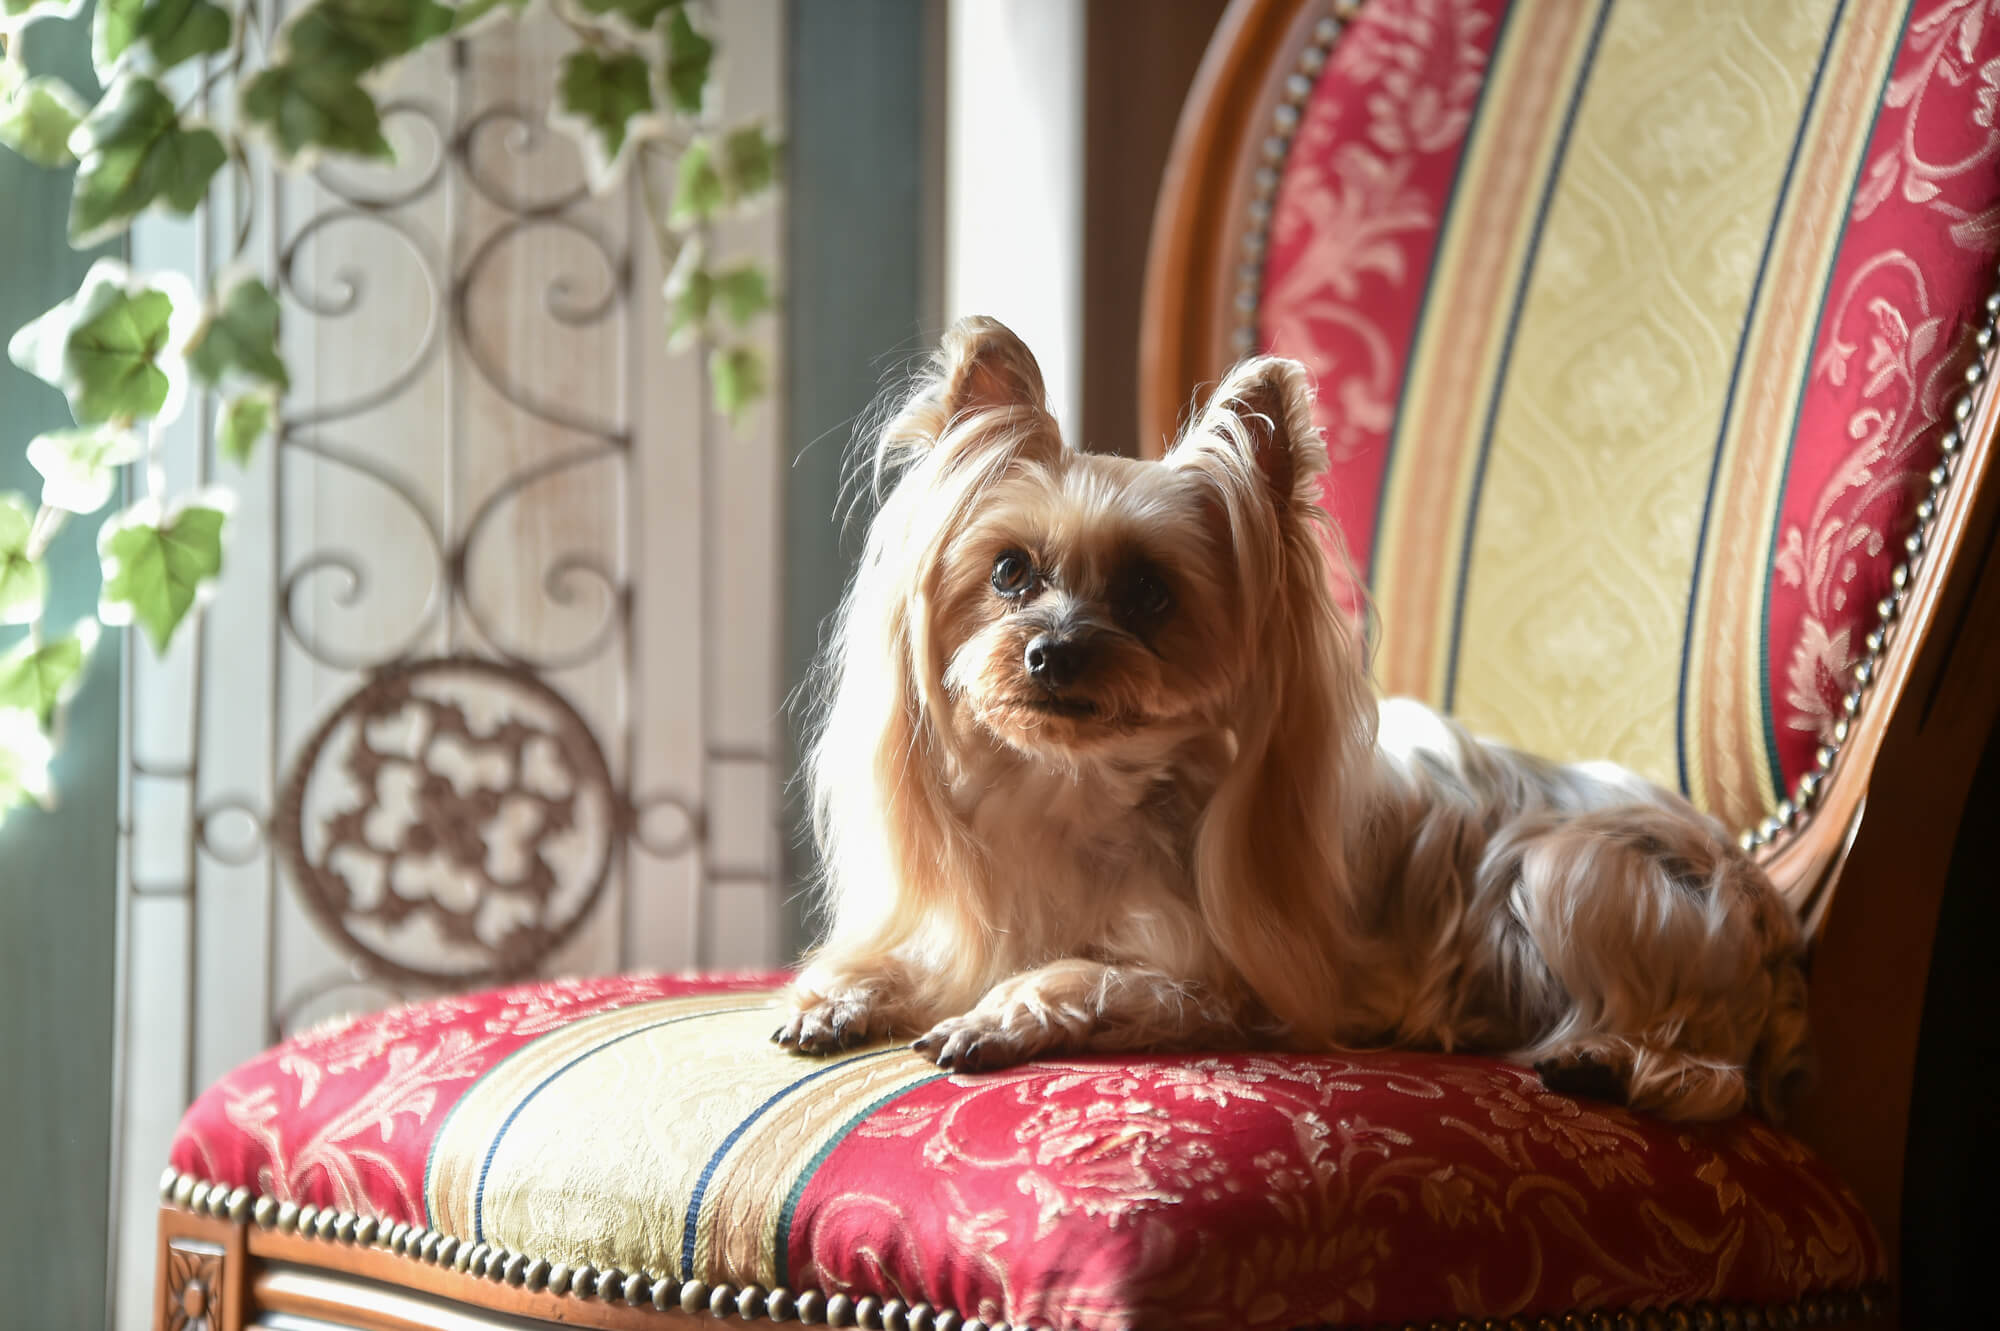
x=201, y=1278
x=1198, y=220
x=275, y=1279
x=1139, y=59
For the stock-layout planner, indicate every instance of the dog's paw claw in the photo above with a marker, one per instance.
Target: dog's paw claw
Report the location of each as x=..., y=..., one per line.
x=1583, y=1077
x=825, y=1026
x=972, y=1043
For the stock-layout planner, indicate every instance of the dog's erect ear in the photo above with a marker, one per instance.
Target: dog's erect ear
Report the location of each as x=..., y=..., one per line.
x=982, y=376
x=1259, y=422
x=985, y=366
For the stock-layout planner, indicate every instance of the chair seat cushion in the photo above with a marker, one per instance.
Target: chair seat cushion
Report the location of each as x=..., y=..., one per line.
x=644, y=1128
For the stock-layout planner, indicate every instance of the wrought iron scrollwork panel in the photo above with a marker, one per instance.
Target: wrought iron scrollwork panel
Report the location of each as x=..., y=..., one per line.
x=452, y=718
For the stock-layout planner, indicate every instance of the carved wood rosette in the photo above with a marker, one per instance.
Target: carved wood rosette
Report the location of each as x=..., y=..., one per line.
x=199, y=1282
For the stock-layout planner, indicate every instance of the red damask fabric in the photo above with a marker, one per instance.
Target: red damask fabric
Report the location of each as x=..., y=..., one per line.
x=1363, y=196
x=1189, y=1191
x=343, y=1115
x=1916, y=260
x=1371, y=186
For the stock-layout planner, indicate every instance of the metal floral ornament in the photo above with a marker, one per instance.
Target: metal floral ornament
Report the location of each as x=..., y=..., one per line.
x=128, y=348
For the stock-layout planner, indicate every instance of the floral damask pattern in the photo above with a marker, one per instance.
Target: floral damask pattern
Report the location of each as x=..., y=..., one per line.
x=1371, y=187
x=343, y=1115
x=1215, y=1191
x=1921, y=238
x=1244, y=1191
x=1357, y=217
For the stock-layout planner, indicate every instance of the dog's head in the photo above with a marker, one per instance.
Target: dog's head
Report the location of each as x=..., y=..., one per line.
x=1075, y=605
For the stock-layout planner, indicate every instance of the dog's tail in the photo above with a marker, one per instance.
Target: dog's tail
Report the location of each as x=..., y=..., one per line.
x=1783, y=1062
x=1681, y=963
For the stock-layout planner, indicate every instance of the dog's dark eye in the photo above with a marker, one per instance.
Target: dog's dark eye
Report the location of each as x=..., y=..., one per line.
x=1012, y=574
x=1146, y=597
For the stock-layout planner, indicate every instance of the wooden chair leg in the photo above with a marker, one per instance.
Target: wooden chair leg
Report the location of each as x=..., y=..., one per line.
x=201, y=1282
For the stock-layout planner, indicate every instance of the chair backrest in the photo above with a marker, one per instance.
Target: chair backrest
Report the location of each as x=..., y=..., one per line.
x=1650, y=340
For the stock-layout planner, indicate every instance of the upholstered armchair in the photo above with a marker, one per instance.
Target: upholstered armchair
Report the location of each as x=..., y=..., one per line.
x=1651, y=341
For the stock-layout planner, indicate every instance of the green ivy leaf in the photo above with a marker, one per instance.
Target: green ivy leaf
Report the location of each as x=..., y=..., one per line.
x=113, y=28
x=135, y=152
x=23, y=581
x=714, y=176
x=173, y=31
x=739, y=377
x=106, y=347
x=641, y=14
x=601, y=97
x=15, y=15
x=698, y=191
x=25, y=753
x=689, y=58
x=687, y=306
x=352, y=37
x=241, y=424
x=38, y=677
x=156, y=566
x=749, y=163
x=37, y=118
x=80, y=467
x=310, y=107
x=116, y=358
x=242, y=335
x=744, y=292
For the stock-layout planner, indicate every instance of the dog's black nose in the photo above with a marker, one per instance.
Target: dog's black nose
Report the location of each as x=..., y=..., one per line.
x=1054, y=661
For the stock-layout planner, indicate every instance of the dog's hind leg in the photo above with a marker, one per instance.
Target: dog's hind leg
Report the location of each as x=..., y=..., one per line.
x=1677, y=960
x=1665, y=1081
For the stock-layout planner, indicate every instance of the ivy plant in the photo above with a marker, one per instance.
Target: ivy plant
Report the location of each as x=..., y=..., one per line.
x=635, y=86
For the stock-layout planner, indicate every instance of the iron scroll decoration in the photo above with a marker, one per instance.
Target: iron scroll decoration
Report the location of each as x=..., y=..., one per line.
x=477, y=828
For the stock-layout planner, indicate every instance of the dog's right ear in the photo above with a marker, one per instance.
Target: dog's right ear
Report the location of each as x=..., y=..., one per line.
x=985, y=384
x=986, y=367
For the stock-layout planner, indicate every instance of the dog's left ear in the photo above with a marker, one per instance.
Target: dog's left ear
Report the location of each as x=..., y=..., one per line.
x=1259, y=424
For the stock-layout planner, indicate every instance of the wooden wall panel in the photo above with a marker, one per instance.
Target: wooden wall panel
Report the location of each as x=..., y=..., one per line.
x=1139, y=60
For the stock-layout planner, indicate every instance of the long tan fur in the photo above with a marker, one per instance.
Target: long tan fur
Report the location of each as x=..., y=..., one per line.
x=1101, y=769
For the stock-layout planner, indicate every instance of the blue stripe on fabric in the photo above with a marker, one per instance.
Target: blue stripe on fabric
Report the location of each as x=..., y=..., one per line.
x=781, y=1258
x=1729, y=400
x=493, y=1147
x=736, y=1133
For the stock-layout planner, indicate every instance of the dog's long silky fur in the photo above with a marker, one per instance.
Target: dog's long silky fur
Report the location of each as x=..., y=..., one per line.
x=1218, y=838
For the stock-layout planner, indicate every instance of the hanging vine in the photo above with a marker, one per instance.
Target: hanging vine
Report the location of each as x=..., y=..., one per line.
x=128, y=348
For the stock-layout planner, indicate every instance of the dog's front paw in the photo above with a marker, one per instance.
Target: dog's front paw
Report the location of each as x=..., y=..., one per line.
x=981, y=1041
x=828, y=1023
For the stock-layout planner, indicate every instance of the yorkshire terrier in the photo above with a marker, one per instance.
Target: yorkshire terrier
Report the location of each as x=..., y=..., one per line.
x=1101, y=769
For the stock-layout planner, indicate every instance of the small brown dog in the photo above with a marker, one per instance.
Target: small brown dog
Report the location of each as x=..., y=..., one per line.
x=1102, y=769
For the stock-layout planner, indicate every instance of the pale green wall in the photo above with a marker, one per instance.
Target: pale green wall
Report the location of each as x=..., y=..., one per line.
x=854, y=292
x=57, y=870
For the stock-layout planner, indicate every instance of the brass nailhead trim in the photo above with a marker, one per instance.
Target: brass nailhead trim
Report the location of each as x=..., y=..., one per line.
x=812, y=1307
x=1275, y=148
x=1795, y=811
